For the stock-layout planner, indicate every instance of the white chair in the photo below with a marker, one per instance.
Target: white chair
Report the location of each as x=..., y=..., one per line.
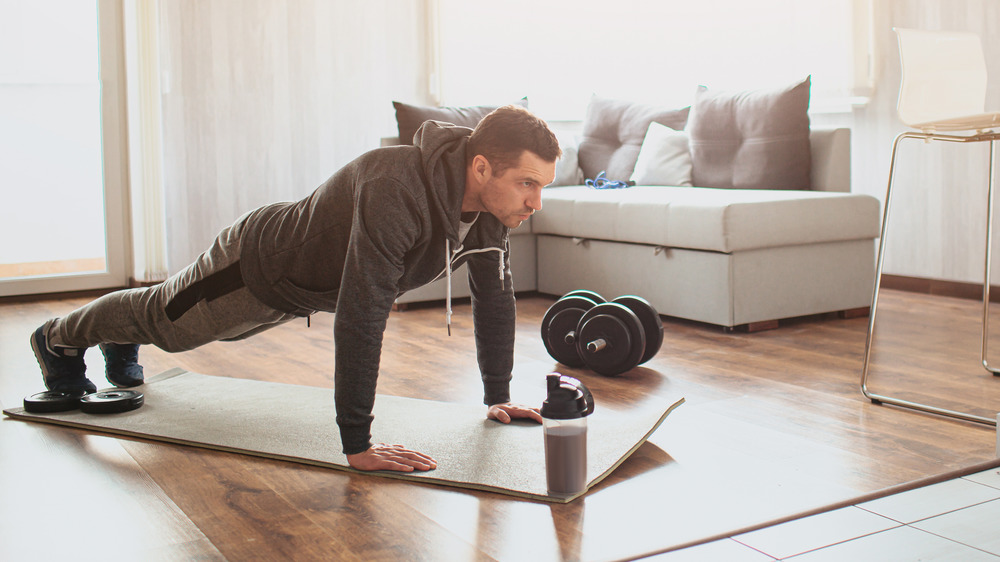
x=942, y=91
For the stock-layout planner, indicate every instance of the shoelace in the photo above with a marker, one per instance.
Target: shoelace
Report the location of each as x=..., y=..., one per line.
x=602, y=182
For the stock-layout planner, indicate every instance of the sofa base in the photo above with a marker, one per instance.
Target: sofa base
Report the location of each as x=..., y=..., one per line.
x=726, y=289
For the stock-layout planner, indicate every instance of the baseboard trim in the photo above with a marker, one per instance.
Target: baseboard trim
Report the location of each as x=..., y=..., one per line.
x=939, y=287
x=41, y=297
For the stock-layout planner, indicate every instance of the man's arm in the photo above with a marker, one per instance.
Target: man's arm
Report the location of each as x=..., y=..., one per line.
x=494, y=317
x=381, y=235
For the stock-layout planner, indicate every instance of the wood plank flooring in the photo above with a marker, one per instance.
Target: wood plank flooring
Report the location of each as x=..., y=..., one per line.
x=774, y=425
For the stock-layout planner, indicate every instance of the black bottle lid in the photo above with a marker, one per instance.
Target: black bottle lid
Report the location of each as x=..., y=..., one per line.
x=568, y=398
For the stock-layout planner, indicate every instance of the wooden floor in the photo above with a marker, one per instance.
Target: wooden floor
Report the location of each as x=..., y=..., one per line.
x=773, y=425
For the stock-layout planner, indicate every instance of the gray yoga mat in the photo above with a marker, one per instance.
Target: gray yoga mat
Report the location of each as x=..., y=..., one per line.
x=296, y=423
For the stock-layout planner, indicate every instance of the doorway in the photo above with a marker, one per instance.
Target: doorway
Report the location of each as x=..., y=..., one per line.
x=62, y=166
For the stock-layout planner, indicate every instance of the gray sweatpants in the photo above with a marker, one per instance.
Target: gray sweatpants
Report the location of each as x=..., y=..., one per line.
x=138, y=315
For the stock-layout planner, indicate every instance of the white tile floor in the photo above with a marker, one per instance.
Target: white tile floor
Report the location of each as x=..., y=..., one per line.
x=953, y=520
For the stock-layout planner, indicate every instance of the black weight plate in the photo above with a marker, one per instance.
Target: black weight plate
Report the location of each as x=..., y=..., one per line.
x=111, y=402
x=52, y=401
x=620, y=329
x=560, y=347
x=597, y=298
x=652, y=326
x=560, y=319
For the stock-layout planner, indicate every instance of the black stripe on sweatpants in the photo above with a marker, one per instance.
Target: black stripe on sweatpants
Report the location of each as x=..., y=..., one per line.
x=218, y=284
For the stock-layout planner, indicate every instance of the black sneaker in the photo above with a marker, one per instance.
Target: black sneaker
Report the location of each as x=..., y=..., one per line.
x=121, y=364
x=63, y=368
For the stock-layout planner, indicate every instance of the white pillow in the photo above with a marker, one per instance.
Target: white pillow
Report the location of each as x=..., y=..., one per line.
x=664, y=158
x=568, y=167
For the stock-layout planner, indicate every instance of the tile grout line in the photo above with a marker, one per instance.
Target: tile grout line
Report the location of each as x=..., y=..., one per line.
x=898, y=525
x=951, y=539
x=874, y=534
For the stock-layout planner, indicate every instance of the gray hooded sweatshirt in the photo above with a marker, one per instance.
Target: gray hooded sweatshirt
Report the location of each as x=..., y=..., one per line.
x=379, y=227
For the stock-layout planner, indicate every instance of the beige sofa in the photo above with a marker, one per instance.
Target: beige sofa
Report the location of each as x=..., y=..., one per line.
x=778, y=235
x=729, y=257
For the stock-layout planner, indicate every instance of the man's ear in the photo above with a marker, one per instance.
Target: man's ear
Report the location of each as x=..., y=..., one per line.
x=481, y=167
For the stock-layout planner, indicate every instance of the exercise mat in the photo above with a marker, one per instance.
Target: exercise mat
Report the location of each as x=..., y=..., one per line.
x=296, y=423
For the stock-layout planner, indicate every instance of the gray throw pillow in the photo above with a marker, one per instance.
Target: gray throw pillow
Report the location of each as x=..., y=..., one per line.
x=751, y=140
x=410, y=117
x=613, y=131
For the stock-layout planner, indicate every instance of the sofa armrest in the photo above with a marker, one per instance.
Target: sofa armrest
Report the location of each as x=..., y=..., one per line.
x=389, y=141
x=831, y=159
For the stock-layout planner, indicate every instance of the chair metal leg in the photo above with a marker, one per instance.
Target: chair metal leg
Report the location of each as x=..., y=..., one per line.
x=878, y=398
x=989, y=262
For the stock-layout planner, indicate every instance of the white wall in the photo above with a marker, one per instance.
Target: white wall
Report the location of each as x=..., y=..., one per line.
x=266, y=98
x=937, y=226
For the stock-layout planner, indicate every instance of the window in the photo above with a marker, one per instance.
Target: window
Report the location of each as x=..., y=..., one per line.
x=61, y=173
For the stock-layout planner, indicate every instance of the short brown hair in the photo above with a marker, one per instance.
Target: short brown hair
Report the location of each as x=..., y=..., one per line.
x=508, y=131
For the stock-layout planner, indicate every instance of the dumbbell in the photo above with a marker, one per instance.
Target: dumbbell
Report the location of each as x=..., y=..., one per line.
x=610, y=338
x=560, y=322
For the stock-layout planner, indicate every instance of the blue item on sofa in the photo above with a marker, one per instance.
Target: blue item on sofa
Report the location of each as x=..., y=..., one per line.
x=602, y=182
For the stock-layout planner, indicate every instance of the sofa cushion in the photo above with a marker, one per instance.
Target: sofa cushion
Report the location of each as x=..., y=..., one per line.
x=752, y=139
x=613, y=131
x=568, y=167
x=719, y=220
x=664, y=158
x=410, y=117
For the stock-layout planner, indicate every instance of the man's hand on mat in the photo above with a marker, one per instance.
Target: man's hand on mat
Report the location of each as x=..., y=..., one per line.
x=505, y=412
x=391, y=457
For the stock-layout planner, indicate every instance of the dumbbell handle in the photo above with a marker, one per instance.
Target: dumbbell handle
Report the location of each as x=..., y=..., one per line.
x=592, y=347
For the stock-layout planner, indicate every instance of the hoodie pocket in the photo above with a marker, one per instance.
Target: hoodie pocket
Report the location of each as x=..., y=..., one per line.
x=325, y=301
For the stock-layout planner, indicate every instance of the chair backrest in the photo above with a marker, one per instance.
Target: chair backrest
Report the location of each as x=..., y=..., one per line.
x=944, y=75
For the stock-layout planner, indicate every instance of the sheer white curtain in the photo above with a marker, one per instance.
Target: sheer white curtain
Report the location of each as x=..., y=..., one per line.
x=142, y=49
x=559, y=52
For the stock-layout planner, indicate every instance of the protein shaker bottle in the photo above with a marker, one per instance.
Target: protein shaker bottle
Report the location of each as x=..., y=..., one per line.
x=564, y=417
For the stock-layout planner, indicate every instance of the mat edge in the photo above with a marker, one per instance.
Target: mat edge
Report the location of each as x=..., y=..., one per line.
x=634, y=448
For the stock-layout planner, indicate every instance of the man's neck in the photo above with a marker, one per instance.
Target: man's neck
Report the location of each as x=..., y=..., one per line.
x=470, y=199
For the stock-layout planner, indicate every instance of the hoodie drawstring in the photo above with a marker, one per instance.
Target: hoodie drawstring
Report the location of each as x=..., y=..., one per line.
x=447, y=259
x=447, y=270
x=500, y=269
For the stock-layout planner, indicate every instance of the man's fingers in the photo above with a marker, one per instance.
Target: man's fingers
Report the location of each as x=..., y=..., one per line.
x=535, y=415
x=416, y=459
x=505, y=412
x=519, y=411
x=391, y=457
x=502, y=415
x=498, y=412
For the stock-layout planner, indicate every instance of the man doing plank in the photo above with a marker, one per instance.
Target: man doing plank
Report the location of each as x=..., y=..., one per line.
x=394, y=219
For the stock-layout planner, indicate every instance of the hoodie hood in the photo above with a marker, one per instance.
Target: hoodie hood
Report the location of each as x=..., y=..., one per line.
x=442, y=146
x=442, y=149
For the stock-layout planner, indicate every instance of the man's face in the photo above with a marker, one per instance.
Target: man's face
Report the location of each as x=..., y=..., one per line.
x=516, y=194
